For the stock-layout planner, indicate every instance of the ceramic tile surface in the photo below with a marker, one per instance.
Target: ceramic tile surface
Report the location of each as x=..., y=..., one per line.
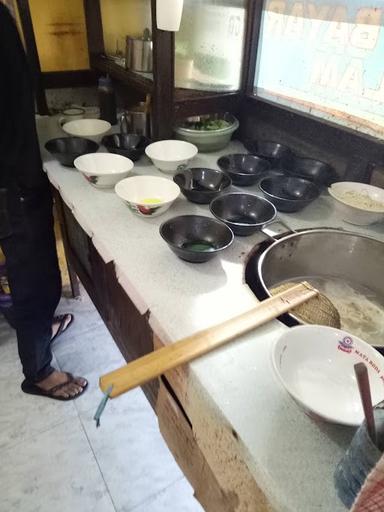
x=54, y=471
x=53, y=457
x=87, y=349
x=135, y=461
x=172, y=499
x=23, y=416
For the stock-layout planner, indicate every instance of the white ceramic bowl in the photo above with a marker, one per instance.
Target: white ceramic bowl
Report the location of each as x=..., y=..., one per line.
x=357, y=215
x=89, y=128
x=103, y=170
x=171, y=156
x=147, y=196
x=316, y=366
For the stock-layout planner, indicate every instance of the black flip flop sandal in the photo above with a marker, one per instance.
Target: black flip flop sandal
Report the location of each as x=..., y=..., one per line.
x=63, y=325
x=32, y=389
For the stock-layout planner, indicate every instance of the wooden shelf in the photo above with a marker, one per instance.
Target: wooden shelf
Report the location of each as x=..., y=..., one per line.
x=189, y=102
x=126, y=76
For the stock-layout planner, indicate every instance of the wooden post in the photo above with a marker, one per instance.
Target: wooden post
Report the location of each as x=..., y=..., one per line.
x=164, y=80
x=32, y=55
x=74, y=280
x=94, y=27
x=252, y=33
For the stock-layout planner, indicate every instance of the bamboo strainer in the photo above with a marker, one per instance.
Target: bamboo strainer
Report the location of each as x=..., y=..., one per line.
x=318, y=310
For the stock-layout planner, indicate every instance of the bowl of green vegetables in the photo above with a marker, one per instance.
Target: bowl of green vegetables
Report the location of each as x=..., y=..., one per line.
x=210, y=132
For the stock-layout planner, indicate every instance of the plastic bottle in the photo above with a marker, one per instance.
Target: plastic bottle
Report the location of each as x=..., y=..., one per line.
x=107, y=100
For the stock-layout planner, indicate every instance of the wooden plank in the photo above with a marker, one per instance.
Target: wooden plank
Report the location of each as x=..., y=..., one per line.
x=32, y=55
x=164, y=80
x=177, y=378
x=208, y=451
x=156, y=363
x=180, y=440
x=60, y=34
x=74, y=280
x=79, y=78
x=190, y=103
x=94, y=26
x=252, y=33
x=125, y=76
x=127, y=326
x=210, y=455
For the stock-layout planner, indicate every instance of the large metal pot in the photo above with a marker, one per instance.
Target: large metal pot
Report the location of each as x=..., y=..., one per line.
x=345, y=266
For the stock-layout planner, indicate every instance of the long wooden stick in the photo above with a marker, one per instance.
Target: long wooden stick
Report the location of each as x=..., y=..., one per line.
x=160, y=361
x=362, y=377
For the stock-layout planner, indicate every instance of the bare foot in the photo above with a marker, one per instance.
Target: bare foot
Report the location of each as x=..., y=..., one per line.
x=71, y=389
x=56, y=325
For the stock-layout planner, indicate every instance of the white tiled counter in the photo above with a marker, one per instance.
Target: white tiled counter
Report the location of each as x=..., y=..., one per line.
x=233, y=390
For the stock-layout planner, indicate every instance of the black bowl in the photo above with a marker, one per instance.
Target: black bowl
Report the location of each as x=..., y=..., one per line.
x=319, y=172
x=67, y=149
x=201, y=185
x=288, y=193
x=196, y=238
x=244, y=170
x=129, y=145
x=277, y=154
x=243, y=213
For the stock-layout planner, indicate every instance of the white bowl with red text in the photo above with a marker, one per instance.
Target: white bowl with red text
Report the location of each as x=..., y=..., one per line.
x=315, y=364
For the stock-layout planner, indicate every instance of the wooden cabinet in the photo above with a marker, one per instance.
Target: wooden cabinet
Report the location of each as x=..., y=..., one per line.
x=129, y=328
x=167, y=102
x=352, y=152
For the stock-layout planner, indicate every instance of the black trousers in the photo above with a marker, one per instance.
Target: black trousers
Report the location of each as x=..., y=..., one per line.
x=34, y=277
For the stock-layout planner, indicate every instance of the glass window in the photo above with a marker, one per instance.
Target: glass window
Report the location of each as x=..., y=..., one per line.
x=209, y=45
x=325, y=58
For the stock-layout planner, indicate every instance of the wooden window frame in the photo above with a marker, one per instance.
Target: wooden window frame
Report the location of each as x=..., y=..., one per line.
x=367, y=149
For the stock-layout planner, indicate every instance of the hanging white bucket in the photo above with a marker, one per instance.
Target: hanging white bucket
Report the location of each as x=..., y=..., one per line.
x=168, y=13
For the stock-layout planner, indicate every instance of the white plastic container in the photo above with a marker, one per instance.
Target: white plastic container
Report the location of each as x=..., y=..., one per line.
x=168, y=13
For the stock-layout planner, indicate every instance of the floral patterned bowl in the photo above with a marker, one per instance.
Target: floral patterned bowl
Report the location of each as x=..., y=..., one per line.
x=147, y=196
x=103, y=170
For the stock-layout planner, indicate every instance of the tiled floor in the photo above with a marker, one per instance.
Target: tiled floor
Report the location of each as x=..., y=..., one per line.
x=53, y=457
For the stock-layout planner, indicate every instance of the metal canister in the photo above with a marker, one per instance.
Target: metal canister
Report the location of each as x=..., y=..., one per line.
x=136, y=120
x=138, y=56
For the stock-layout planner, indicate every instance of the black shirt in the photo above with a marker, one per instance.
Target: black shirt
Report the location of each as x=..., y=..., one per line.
x=20, y=162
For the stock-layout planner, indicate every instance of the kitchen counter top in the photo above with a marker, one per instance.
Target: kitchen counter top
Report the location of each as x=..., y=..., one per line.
x=291, y=456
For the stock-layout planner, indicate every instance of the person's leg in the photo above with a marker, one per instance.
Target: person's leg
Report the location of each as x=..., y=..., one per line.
x=34, y=280
x=35, y=283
